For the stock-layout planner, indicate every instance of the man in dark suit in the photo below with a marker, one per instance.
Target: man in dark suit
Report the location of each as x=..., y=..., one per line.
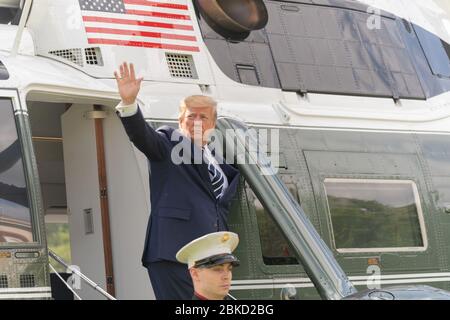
x=188, y=199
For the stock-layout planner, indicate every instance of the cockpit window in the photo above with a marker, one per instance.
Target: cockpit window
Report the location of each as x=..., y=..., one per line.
x=9, y=16
x=375, y=215
x=436, y=50
x=15, y=217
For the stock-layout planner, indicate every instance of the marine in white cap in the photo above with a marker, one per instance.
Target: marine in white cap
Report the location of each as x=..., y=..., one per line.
x=210, y=262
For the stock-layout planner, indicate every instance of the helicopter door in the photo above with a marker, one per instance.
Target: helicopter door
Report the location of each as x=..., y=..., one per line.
x=23, y=254
x=374, y=207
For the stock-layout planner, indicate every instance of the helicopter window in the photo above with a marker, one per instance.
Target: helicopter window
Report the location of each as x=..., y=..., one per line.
x=275, y=248
x=247, y=74
x=436, y=50
x=10, y=15
x=375, y=215
x=4, y=75
x=15, y=218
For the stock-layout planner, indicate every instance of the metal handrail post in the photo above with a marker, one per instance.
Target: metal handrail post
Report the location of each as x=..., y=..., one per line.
x=82, y=276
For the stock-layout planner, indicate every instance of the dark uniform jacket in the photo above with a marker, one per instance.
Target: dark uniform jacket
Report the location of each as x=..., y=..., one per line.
x=196, y=297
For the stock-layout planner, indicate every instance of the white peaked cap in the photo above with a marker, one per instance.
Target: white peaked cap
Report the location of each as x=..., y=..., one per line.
x=210, y=245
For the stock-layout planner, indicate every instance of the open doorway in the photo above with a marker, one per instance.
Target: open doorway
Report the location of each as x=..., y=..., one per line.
x=45, y=121
x=76, y=185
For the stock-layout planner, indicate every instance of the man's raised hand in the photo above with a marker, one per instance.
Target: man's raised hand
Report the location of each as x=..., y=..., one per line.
x=127, y=83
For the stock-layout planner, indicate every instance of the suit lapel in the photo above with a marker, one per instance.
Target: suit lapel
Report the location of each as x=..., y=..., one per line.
x=197, y=171
x=204, y=173
x=229, y=171
x=202, y=168
x=233, y=181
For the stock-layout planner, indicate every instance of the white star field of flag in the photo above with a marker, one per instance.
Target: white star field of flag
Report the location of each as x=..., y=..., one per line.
x=164, y=24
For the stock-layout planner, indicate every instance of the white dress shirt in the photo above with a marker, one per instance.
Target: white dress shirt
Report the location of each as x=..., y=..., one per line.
x=127, y=110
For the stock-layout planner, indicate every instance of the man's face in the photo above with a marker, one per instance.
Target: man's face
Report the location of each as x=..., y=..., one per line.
x=196, y=121
x=214, y=282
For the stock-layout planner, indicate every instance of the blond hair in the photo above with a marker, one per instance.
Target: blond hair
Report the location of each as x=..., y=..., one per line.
x=197, y=101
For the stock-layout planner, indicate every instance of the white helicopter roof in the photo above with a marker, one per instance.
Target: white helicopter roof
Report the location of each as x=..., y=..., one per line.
x=59, y=53
x=433, y=15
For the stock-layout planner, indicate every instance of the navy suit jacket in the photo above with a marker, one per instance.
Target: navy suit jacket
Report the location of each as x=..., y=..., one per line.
x=183, y=206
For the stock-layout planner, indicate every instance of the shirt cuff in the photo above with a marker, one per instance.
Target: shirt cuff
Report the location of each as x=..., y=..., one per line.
x=127, y=110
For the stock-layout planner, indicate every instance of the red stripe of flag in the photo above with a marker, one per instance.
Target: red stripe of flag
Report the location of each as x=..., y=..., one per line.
x=138, y=23
x=141, y=33
x=144, y=44
x=159, y=14
x=157, y=4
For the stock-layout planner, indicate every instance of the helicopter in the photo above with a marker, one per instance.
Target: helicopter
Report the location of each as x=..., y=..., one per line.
x=351, y=202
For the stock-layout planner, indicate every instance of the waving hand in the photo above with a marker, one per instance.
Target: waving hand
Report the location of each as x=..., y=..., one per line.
x=127, y=83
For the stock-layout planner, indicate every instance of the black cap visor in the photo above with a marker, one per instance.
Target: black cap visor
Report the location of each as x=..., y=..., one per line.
x=217, y=260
